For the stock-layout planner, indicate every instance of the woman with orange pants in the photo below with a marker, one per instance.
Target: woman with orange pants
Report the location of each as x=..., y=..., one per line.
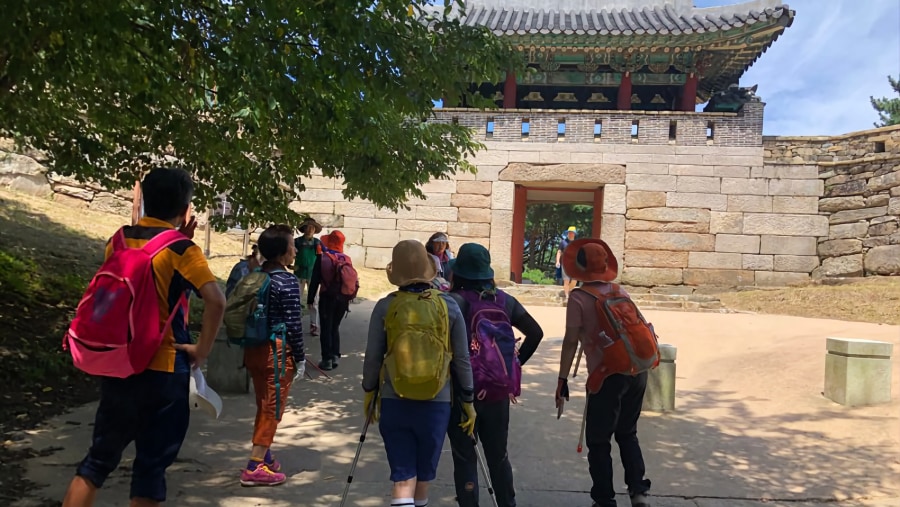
x=276, y=244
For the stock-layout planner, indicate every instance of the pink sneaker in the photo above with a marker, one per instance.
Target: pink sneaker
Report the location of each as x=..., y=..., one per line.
x=275, y=465
x=262, y=476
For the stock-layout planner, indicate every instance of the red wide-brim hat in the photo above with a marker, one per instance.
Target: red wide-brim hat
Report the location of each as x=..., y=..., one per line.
x=600, y=265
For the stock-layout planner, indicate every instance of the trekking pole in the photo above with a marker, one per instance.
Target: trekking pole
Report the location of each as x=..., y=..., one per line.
x=318, y=370
x=583, y=422
x=484, y=473
x=578, y=360
x=370, y=412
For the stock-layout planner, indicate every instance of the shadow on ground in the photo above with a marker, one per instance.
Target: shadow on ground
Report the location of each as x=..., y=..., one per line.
x=723, y=444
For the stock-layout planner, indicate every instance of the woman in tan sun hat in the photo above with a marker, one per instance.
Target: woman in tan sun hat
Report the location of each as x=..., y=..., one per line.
x=309, y=249
x=614, y=409
x=417, y=335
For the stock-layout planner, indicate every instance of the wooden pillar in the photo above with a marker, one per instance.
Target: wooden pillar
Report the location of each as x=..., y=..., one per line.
x=689, y=93
x=624, y=100
x=517, y=250
x=509, y=91
x=208, y=238
x=136, y=203
x=597, y=226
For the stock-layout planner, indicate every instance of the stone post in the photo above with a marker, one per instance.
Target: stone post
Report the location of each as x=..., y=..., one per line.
x=660, y=395
x=224, y=367
x=857, y=372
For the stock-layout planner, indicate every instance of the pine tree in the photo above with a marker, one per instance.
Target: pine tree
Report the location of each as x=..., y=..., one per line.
x=888, y=108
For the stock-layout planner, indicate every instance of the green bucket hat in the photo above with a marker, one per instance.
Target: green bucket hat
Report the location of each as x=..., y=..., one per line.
x=472, y=262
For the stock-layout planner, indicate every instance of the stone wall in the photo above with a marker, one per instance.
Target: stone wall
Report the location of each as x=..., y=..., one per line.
x=616, y=127
x=695, y=209
x=25, y=172
x=692, y=198
x=861, y=177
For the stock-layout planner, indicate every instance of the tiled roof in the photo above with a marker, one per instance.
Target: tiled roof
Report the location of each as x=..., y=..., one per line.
x=508, y=18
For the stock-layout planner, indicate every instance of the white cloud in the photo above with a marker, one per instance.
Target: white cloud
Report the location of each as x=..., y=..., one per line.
x=818, y=77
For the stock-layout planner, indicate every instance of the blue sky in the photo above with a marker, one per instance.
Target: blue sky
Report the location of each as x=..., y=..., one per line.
x=817, y=77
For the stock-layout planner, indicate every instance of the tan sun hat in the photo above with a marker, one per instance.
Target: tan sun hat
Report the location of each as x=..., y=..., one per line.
x=410, y=263
x=317, y=227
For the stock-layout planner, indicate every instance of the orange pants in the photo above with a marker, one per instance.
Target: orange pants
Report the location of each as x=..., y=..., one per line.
x=260, y=363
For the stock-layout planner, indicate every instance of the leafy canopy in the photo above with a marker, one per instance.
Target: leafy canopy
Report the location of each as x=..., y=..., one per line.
x=248, y=95
x=888, y=108
x=545, y=226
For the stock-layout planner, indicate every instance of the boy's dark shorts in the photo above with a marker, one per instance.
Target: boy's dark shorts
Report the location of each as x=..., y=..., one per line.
x=151, y=409
x=413, y=434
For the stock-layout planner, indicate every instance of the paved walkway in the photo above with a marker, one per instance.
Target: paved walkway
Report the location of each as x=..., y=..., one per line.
x=751, y=430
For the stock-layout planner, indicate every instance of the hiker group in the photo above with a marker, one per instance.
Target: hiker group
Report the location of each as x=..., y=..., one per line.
x=442, y=359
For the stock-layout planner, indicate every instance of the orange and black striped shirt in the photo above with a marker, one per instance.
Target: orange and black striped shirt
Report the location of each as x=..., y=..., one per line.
x=179, y=269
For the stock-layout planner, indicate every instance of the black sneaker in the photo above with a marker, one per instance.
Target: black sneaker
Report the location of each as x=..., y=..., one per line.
x=334, y=361
x=326, y=365
x=640, y=500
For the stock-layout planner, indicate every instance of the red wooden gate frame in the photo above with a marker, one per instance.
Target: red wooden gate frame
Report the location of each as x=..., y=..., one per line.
x=520, y=203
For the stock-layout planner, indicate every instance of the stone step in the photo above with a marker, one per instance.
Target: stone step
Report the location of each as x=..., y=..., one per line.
x=552, y=296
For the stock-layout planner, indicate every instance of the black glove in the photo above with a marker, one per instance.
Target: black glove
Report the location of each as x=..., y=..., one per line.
x=562, y=389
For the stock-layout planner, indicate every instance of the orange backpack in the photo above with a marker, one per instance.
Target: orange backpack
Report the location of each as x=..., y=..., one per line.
x=632, y=346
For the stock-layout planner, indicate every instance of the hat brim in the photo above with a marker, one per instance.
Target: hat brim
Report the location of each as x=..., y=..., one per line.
x=400, y=280
x=209, y=401
x=487, y=274
x=311, y=221
x=576, y=272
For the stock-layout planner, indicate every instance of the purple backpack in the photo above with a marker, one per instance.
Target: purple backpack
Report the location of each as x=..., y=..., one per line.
x=492, y=347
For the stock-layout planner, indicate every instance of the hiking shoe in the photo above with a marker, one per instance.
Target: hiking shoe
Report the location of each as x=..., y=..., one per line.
x=262, y=476
x=326, y=365
x=640, y=500
x=273, y=465
x=313, y=330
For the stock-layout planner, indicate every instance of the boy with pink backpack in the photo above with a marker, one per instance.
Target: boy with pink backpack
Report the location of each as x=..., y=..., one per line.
x=490, y=315
x=131, y=330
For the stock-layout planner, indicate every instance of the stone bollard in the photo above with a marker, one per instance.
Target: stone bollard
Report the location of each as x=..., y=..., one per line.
x=224, y=367
x=857, y=372
x=660, y=395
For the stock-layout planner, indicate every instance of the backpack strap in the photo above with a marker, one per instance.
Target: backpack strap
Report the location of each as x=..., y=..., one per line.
x=182, y=303
x=279, y=370
x=162, y=241
x=118, y=240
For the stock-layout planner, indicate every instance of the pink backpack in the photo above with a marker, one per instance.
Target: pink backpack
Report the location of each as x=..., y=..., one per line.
x=116, y=330
x=339, y=276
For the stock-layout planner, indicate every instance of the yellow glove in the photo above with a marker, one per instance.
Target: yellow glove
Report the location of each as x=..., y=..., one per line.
x=372, y=407
x=468, y=418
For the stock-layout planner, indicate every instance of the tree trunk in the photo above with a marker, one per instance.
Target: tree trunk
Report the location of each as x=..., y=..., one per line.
x=136, y=203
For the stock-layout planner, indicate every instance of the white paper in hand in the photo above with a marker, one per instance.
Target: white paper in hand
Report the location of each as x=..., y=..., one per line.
x=202, y=397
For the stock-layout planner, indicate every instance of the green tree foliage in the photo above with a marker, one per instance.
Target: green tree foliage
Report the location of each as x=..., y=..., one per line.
x=249, y=95
x=888, y=108
x=544, y=228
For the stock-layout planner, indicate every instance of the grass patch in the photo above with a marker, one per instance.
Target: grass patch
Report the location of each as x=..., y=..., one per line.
x=873, y=300
x=538, y=277
x=32, y=295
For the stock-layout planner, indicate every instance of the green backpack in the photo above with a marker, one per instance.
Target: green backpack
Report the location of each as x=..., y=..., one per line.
x=418, y=344
x=247, y=322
